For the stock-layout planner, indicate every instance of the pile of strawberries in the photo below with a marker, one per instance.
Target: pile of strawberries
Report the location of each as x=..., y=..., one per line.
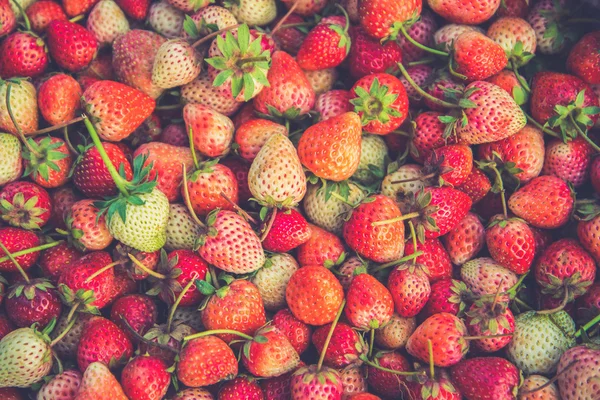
x=305, y=200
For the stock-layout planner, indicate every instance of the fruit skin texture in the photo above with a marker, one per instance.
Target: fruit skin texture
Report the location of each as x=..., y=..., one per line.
x=478, y=57
x=103, y=341
x=486, y=378
x=569, y=161
x=91, y=176
x=72, y=46
x=368, y=56
x=309, y=384
x=539, y=341
x=511, y=243
x=545, y=202
x=297, y=332
x=579, y=381
x=145, y=378
x=10, y=151
x=99, y=383
x=533, y=382
x=410, y=289
x=324, y=46
x=23, y=101
x=274, y=357
x=470, y=12
x=386, y=384
x=58, y=98
x=377, y=17
x=23, y=54
x=289, y=230
x=205, y=361
x=331, y=149
x=43, y=305
x=382, y=243
x=63, y=386
x=314, y=295
x=26, y=358
x=15, y=239
x=369, y=303
x=344, y=348
x=212, y=132
x=584, y=58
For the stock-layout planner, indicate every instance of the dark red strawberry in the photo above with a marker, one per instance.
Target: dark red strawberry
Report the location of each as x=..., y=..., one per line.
x=105, y=342
x=34, y=301
x=368, y=56
x=289, y=230
x=16, y=240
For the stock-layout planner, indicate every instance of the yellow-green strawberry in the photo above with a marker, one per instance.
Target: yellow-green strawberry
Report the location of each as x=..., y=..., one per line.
x=23, y=102
x=254, y=12
x=539, y=340
x=25, y=357
x=182, y=230
x=176, y=63
x=324, y=208
x=271, y=280
x=373, y=155
x=11, y=166
x=276, y=176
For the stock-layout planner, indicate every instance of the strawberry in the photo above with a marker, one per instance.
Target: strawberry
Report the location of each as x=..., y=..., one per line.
x=569, y=161
x=71, y=46
x=447, y=295
x=224, y=228
x=551, y=33
x=136, y=9
x=289, y=93
x=314, y=383
x=176, y=63
x=428, y=135
x=410, y=289
x=276, y=176
x=166, y=19
x=421, y=74
x=105, y=342
x=252, y=135
x=23, y=54
x=182, y=230
x=486, y=377
x=116, y=109
x=237, y=306
x=175, y=135
x=577, y=366
x=205, y=361
x=269, y=354
x=420, y=31
x=395, y=333
x=41, y=13
x=516, y=37
x=8, y=21
x=75, y=7
x=527, y=390
x=271, y=280
x=211, y=131
x=49, y=161
x=53, y=260
x=63, y=386
x=75, y=287
x=470, y=12
x=193, y=394
x=15, y=240
x=380, y=19
x=451, y=164
x=58, y=98
x=565, y=270
x=98, y=383
x=88, y=230
x=145, y=377
x=344, y=348
x=373, y=159
x=445, y=37
x=435, y=259
x=326, y=45
x=106, y=22
x=487, y=318
x=369, y=303
x=476, y=186
x=136, y=311
x=484, y=276
x=212, y=14
x=241, y=387
x=288, y=39
x=25, y=205
x=166, y=163
x=91, y=175
x=511, y=243
x=288, y=231
x=306, y=8
x=133, y=59
x=23, y=101
x=311, y=302
x=493, y=58
x=12, y=165
x=333, y=103
x=30, y=302
x=6, y=326
x=321, y=80
x=381, y=102
x=525, y=149
x=513, y=8
x=337, y=141
x=202, y=91
x=323, y=208
x=385, y=383
x=25, y=365
x=67, y=347
x=465, y=240
x=205, y=186
x=445, y=332
x=511, y=84
x=545, y=202
x=297, y=332
x=583, y=58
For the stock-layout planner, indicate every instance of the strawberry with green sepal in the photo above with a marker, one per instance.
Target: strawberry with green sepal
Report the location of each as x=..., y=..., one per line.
x=381, y=102
x=71, y=46
x=326, y=45
x=570, y=161
x=207, y=183
x=32, y=301
x=25, y=205
x=382, y=19
x=48, y=161
x=490, y=318
x=447, y=295
x=202, y=91
x=513, y=84
x=134, y=311
x=99, y=383
x=486, y=377
x=370, y=305
x=516, y=37
x=240, y=62
x=105, y=342
x=145, y=377
x=12, y=166
x=435, y=385
x=576, y=368
x=548, y=20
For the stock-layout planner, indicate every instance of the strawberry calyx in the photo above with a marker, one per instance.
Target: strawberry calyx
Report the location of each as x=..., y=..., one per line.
x=517, y=57
x=243, y=62
x=489, y=315
x=568, y=288
x=28, y=289
x=461, y=295
x=338, y=190
x=342, y=31
x=79, y=301
x=21, y=213
x=376, y=104
x=164, y=279
x=42, y=157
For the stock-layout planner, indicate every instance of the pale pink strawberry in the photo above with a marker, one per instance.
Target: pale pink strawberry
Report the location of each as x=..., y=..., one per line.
x=189, y=5
x=88, y=229
x=212, y=132
x=428, y=135
x=569, y=161
x=421, y=74
x=106, y=22
x=166, y=19
x=484, y=276
x=441, y=84
x=211, y=15
x=507, y=32
x=176, y=63
x=202, y=91
x=333, y=103
x=465, y=240
x=551, y=36
x=63, y=386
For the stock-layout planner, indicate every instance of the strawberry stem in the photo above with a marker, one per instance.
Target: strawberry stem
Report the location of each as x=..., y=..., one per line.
x=212, y=35
x=72, y=148
x=118, y=179
x=177, y=301
x=560, y=307
x=523, y=304
x=265, y=233
x=330, y=335
x=213, y=277
x=454, y=73
x=72, y=311
x=347, y=26
x=77, y=18
x=102, y=270
x=587, y=326
x=392, y=371
x=297, y=24
x=14, y=121
x=423, y=93
x=285, y=17
x=420, y=62
x=64, y=332
x=56, y=127
x=420, y=178
x=240, y=63
x=25, y=18
x=147, y=270
x=15, y=262
x=142, y=339
x=397, y=219
x=550, y=381
x=371, y=342
x=413, y=235
x=583, y=134
x=497, y=295
x=187, y=201
x=31, y=250
x=397, y=262
x=217, y=332
x=520, y=79
x=340, y=198
x=502, y=190
x=169, y=107
x=547, y=131
x=192, y=148
x=420, y=45
x=487, y=336
x=431, y=364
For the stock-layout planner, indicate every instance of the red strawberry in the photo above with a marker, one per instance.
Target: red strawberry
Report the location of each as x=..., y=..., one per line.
x=8, y=21
x=297, y=332
x=333, y=103
x=377, y=242
x=322, y=248
x=277, y=388
x=289, y=230
x=569, y=161
x=465, y=240
x=241, y=387
x=386, y=383
x=369, y=303
x=55, y=259
x=326, y=45
x=381, y=102
x=380, y=18
x=6, y=326
x=41, y=13
x=136, y=9
x=451, y=164
x=584, y=58
x=428, y=135
x=23, y=54
x=35, y=301
x=205, y=186
x=511, y=243
x=252, y=135
x=445, y=331
x=545, y=202
x=421, y=74
x=490, y=59
x=447, y=296
x=508, y=81
x=410, y=289
x=470, y=12
x=145, y=377
x=369, y=56
x=477, y=185
x=76, y=7
x=63, y=199
x=91, y=175
x=58, y=98
x=88, y=230
x=103, y=341
x=72, y=46
x=513, y=8
x=587, y=232
x=205, y=361
x=345, y=346
x=136, y=310
x=116, y=109
x=486, y=378
x=269, y=354
x=15, y=240
x=435, y=258
x=442, y=85
x=49, y=161
x=25, y=205
x=317, y=383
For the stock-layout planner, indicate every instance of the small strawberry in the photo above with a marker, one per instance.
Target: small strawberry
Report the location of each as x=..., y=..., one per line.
x=288, y=230
x=447, y=295
x=106, y=22
x=166, y=19
x=489, y=318
x=176, y=63
x=297, y=332
x=212, y=14
x=470, y=12
x=387, y=384
x=449, y=165
x=252, y=135
x=321, y=80
x=435, y=259
x=323, y=248
x=241, y=387
x=484, y=276
x=546, y=19
x=569, y=161
x=513, y=8
x=395, y=333
x=410, y=289
x=493, y=58
x=63, y=386
x=23, y=54
x=25, y=205
x=516, y=37
x=403, y=185
x=344, y=348
x=206, y=185
x=145, y=377
x=316, y=383
x=58, y=98
x=136, y=9
x=374, y=158
x=583, y=58
x=88, y=230
x=41, y=13
x=30, y=302
x=368, y=56
x=326, y=45
x=12, y=165
x=323, y=208
x=269, y=354
x=271, y=280
x=205, y=361
x=428, y=135
x=211, y=131
x=53, y=260
x=193, y=394
x=421, y=74
x=99, y=383
x=134, y=311
x=577, y=366
x=105, y=342
x=511, y=84
x=476, y=186
x=15, y=240
x=333, y=103
x=71, y=46
x=369, y=303
x=511, y=243
x=486, y=377
x=466, y=240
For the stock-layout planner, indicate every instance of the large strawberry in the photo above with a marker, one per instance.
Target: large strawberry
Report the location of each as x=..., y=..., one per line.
x=23, y=54
x=103, y=341
x=584, y=59
x=369, y=303
x=72, y=46
x=486, y=377
x=205, y=361
x=21, y=96
x=16, y=241
x=410, y=289
x=145, y=377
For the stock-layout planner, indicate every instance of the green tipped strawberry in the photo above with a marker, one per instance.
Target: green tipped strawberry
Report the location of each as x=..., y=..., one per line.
x=138, y=215
x=238, y=60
